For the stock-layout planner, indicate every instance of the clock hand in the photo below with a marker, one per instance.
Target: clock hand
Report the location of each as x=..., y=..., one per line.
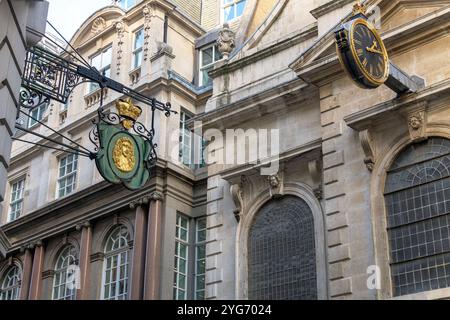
x=373, y=48
x=374, y=51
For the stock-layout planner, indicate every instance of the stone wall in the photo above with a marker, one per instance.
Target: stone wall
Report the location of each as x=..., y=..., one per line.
x=15, y=16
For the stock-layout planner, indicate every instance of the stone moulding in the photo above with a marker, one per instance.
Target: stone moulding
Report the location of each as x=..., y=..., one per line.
x=329, y=7
x=4, y=244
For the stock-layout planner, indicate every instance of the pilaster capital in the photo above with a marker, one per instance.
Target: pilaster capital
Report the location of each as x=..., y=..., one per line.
x=85, y=224
x=156, y=196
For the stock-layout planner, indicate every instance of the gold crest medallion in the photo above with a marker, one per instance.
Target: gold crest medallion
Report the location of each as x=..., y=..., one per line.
x=123, y=155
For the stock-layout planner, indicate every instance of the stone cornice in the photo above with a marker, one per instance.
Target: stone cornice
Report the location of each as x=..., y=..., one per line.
x=90, y=204
x=365, y=118
x=250, y=104
x=4, y=244
x=279, y=46
x=313, y=147
x=402, y=38
x=166, y=6
x=328, y=7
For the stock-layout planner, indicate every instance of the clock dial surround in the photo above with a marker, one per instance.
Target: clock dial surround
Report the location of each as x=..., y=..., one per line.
x=362, y=53
x=369, y=51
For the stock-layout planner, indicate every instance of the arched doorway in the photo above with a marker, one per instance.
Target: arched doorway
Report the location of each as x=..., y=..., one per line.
x=281, y=252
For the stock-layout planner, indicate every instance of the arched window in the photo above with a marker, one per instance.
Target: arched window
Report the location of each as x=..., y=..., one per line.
x=417, y=196
x=281, y=252
x=11, y=284
x=64, y=285
x=115, y=276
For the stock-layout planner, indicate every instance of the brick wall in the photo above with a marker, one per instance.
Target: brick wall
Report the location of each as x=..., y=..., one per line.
x=211, y=14
x=191, y=7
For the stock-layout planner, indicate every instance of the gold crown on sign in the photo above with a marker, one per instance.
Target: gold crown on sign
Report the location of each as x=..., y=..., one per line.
x=358, y=7
x=128, y=111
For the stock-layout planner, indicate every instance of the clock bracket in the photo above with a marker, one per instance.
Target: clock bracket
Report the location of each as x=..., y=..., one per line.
x=398, y=80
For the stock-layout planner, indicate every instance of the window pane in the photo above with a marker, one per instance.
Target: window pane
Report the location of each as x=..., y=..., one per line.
x=228, y=13
x=96, y=61
x=183, y=251
x=281, y=252
x=217, y=55
x=240, y=8
x=418, y=218
x=137, y=59
x=106, y=57
x=207, y=56
x=206, y=80
x=139, y=39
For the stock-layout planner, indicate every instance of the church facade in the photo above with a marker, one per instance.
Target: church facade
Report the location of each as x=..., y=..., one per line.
x=335, y=192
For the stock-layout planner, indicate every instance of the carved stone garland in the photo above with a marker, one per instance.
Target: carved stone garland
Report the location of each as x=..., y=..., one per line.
x=120, y=29
x=148, y=13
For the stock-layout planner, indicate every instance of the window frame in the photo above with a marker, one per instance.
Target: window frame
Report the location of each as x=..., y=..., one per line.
x=92, y=86
x=116, y=253
x=177, y=257
x=405, y=211
x=66, y=176
x=16, y=201
x=202, y=68
x=127, y=7
x=198, y=244
x=71, y=252
x=41, y=110
x=139, y=50
x=233, y=3
x=16, y=288
x=184, y=117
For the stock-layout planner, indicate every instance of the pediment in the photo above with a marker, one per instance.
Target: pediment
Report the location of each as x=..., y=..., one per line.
x=272, y=20
x=394, y=14
x=398, y=13
x=97, y=23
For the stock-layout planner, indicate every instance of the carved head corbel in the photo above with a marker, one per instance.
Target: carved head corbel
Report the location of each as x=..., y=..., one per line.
x=276, y=185
x=417, y=123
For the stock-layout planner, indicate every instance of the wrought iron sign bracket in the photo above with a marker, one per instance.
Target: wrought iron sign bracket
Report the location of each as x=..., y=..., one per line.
x=48, y=76
x=124, y=148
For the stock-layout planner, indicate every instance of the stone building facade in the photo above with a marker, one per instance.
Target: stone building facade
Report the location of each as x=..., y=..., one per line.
x=360, y=185
x=17, y=19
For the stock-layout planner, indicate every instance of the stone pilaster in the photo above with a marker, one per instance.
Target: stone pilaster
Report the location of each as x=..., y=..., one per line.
x=138, y=263
x=153, y=253
x=85, y=264
x=214, y=247
x=337, y=226
x=36, y=274
x=26, y=272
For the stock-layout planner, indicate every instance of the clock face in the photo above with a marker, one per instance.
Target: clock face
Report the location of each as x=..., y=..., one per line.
x=369, y=52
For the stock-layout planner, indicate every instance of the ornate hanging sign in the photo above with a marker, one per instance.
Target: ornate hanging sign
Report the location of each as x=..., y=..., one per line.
x=126, y=151
x=124, y=148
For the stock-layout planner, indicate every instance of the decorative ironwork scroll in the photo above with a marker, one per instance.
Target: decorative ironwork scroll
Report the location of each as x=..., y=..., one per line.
x=47, y=76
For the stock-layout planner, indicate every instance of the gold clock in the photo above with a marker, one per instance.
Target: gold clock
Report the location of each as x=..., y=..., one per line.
x=362, y=53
